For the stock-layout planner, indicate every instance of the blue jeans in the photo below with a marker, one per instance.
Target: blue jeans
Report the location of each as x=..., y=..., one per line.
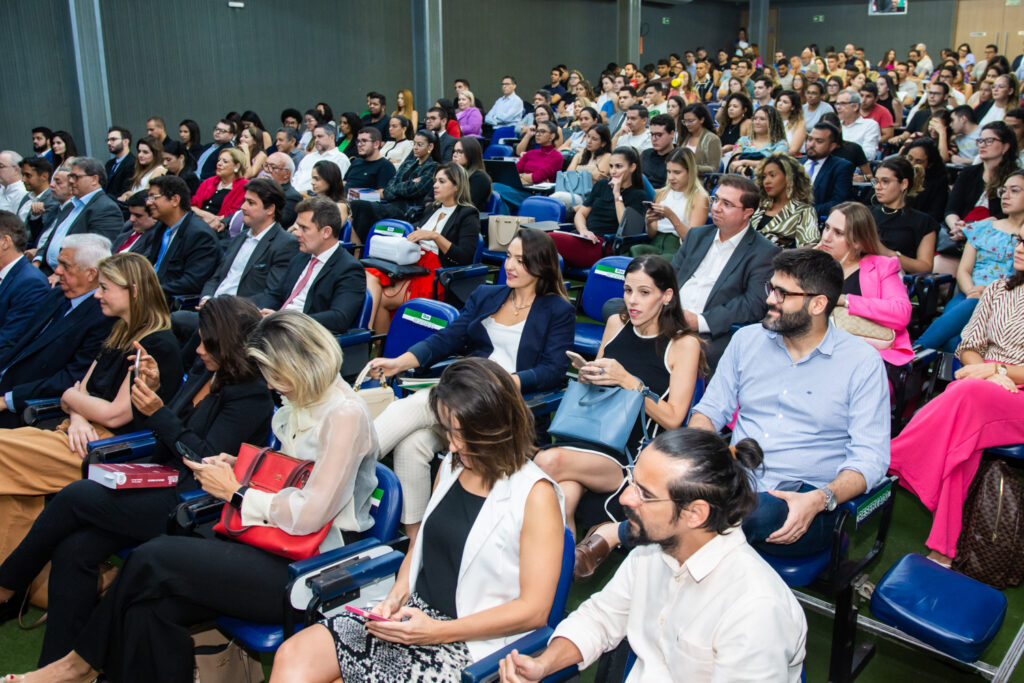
x=945, y=330
x=769, y=515
x=511, y=197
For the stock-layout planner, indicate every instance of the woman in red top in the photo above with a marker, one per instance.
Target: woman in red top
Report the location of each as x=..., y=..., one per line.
x=222, y=194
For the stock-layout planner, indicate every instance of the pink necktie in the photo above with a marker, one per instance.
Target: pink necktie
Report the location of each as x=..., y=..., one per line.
x=301, y=284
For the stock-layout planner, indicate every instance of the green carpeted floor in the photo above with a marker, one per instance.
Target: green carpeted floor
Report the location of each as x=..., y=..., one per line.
x=892, y=662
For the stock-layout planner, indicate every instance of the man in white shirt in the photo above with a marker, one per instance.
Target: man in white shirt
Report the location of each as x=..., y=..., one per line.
x=634, y=131
x=12, y=189
x=694, y=600
x=857, y=129
x=925, y=67
x=325, y=150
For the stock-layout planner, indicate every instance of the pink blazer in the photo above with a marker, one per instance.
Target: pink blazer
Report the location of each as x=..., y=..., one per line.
x=884, y=300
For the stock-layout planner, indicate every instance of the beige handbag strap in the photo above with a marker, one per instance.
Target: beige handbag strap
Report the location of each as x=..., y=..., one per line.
x=362, y=378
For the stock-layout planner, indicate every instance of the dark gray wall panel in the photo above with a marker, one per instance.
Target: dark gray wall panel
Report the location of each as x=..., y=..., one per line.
x=200, y=59
x=711, y=24
x=37, y=81
x=927, y=21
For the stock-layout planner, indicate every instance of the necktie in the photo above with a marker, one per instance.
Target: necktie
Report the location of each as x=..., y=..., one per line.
x=301, y=284
x=814, y=165
x=129, y=242
x=168, y=234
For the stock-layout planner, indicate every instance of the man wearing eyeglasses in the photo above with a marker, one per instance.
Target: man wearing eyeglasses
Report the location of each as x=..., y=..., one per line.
x=936, y=97
x=223, y=134
x=281, y=167
x=653, y=160
x=369, y=170
x=507, y=109
x=721, y=268
x=815, y=398
x=856, y=128
x=324, y=149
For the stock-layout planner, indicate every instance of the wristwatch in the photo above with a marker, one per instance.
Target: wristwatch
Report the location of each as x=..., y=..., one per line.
x=237, y=497
x=619, y=198
x=830, y=499
x=1001, y=369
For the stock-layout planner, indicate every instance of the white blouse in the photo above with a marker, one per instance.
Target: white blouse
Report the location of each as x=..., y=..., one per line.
x=504, y=341
x=396, y=151
x=436, y=223
x=680, y=205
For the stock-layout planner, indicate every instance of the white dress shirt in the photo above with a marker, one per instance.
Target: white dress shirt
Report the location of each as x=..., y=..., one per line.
x=723, y=615
x=11, y=196
x=864, y=132
x=299, y=302
x=229, y=285
x=302, y=181
x=693, y=295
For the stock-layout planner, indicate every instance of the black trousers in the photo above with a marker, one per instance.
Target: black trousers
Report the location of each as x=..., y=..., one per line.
x=365, y=214
x=140, y=630
x=81, y=527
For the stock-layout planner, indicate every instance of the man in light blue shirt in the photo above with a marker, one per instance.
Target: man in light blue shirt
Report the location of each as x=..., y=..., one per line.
x=814, y=398
x=508, y=109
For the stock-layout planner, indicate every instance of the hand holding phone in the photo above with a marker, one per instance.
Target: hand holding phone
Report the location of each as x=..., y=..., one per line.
x=366, y=614
x=578, y=361
x=135, y=368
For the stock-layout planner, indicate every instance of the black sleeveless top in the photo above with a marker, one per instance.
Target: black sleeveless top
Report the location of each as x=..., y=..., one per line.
x=642, y=357
x=444, y=539
x=731, y=133
x=851, y=285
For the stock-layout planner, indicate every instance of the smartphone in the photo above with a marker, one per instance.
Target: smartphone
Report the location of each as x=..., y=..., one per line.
x=187, y=452
x=648, y=205
x=366, y=614
x=135, y=369
x=578, y=361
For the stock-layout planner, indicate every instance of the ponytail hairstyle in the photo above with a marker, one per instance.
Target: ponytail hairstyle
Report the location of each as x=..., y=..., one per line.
x=904, y=170
x=716, y=473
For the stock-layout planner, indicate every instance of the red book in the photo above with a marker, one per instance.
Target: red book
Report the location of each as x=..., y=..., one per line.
x=133, y=475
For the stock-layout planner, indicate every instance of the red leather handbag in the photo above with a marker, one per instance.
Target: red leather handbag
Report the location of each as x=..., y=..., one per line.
x=267, y=470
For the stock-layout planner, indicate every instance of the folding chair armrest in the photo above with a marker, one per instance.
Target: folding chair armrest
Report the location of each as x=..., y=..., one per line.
x=878, y=502
x=622, y=243
x=330, y=585
x=121, y=448
x=544, y=402
x=530, y=644
x=185, y=302
x=39, y=409
x=197, y=509
x=296, y=569
x=444, y=277
x=354, y=337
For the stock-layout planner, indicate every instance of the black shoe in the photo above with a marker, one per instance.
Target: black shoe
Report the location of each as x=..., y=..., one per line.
x=12, y=608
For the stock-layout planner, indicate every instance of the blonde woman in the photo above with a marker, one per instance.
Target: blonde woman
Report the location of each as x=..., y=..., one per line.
x=680, y=205
x=404, y=107
x=37, y=462
x=786, y=213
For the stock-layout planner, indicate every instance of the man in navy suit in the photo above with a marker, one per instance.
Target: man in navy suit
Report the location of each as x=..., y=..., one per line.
x=91, y=210
x=184, y=250
x=722, y=268
x=63, y=338
x=21, y=285
x=831, y=177
x=121, y=166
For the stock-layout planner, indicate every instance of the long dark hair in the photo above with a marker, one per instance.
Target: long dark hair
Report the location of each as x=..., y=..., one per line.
x=70, y=148
x=630, y=153
x=540, y=258
x=936, y=167
x=407, y=125
x=671, y=321
x=331, y=174
x=606, y=143
x=224, y=324
x=355, y=124
x=193, y=132
x=435, y=151
x=1007, y=165
x=472, y=153
x=702, y=114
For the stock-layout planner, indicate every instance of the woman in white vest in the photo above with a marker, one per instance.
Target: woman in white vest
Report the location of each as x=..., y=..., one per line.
x=482, y=571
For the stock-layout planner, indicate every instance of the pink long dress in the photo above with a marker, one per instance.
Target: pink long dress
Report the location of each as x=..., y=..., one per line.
x=937, y=455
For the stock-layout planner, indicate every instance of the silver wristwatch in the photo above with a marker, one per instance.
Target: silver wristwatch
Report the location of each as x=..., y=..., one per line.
x=830, y=499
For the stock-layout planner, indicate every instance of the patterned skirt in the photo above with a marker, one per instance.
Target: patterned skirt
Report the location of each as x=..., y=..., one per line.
x=361, y=657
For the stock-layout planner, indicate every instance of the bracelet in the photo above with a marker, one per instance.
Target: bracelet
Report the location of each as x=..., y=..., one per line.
x=237, y=497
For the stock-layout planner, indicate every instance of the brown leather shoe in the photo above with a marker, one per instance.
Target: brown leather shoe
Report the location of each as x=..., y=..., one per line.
x=590, y=553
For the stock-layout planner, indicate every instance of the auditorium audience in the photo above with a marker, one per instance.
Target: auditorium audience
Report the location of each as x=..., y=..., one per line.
x=650, y=328
x=369, y=169
x=785, y=214
x=525, y=325
x=611, y=198
x=468, y=155
x=1005, y=96
x=437, y=122
x=738, y=620
x=324, y=280
x=327, y=183
x=594, y=159
x=863, y=132
x=937, y=454
x=633, y=132
x=224, y=403
x=681, y=204
x=734, y=120
x=64, y=335
x=349, y=125
x=542, y=113
x=934, y=194
x=208, y=160
x=905, y=233
x=250, y=141
x=697, y=133
x=220, y=195
x=788, y=106
x=287, y=142
x=814, y=106
x=325, y=149
x=585, y=120
x=469, y=117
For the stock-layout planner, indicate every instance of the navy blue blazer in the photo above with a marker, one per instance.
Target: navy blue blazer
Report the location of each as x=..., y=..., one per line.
x=547, y=335
x=833, y=184
x=20, y=293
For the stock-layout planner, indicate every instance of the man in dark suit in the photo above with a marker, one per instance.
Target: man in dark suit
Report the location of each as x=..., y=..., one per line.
x=324, y=281
x=21, y=285
x=184, y=250
x=256, y=258
x=120, y=168
x=223, y=134
x=437, y=121
x=138, y=237
x=281, y=167
x=91, y=210
x=65, y=335
x=831, y=177
x=722, y=268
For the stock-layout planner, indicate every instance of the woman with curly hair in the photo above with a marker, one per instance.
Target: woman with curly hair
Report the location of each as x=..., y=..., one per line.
x=734, y=120
x=786, y=214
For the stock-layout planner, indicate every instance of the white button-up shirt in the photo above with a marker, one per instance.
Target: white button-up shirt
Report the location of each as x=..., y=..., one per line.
x=864, y=132
x=302, y=181
x=11, y=196
x=229, y=285
x=299, y=302
x=723, y=615
x=693, y=295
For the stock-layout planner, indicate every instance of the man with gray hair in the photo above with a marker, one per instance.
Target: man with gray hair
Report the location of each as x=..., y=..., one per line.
x=856, y=128
x=65, y=334
x=12, y=189
x=92, y=211
x=281, y=168
x=325, y=150
x=21, y=285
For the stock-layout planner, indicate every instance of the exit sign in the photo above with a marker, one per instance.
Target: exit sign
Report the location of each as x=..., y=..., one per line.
x=818, y=18
x=665, y=21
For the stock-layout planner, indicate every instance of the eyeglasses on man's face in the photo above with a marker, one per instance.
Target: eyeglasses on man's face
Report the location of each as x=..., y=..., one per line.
x=780, y=294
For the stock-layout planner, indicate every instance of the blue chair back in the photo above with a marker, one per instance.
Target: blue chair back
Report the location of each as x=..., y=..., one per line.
x=387, y=226
x=494, y=203
x=564, y=580
x=502, y=132
x=386, y=506
x=542, y=208
x=495, y=151
x=604, y=282
x=363, y=321
x=346, y=232
x=414, y=321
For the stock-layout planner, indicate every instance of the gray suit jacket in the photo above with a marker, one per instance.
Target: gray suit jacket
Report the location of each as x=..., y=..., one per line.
x=738, y=296
x=266, y=266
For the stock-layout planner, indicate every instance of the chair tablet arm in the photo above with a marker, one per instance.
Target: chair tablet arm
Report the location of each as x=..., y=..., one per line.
x=198, y=508
x=542, y=403
x=531, y=644
x=865, y=506
x=340, y=581
x=185, y=302
x=121, y=448
x=323, y=559
x=39, y=409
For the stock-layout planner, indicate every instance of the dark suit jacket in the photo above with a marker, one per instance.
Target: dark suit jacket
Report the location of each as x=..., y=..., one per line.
x=266, y=266
x=20, y=294
x=335, y=296
x=447, y=147
x=55, y=351
x=139, y=246
x=210, y=167
x=36, y=224
x=462, y=229
x=121, y=180
x=191, y=258
x=291, y=199
x=833, y=184
x=547, y=335
x=738, y=296
x=100, y=216
x=969, y=185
